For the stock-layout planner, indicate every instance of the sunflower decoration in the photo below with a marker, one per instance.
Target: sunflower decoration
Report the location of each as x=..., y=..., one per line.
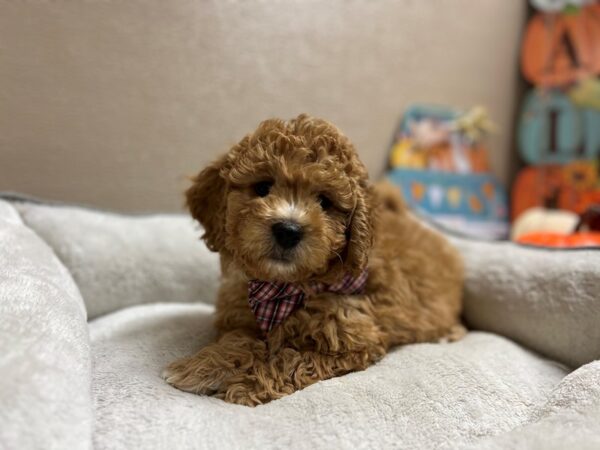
x=581, y=175
x=586, y=93
x=474, y=124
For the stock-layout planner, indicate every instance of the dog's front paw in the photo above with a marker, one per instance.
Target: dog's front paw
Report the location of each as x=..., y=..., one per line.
x=191, y=375
x=198, y=374
x=250, y=390
x=195, y=374
x=456, y=333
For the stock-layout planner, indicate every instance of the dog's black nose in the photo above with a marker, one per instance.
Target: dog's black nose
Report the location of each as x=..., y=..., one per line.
x=287, y=234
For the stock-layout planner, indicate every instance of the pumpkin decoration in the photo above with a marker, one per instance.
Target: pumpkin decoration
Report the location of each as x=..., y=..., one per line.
x=550, y=128
x=553, y=129
x=573, y=187
x=536, y=186
x=418, y=190
x=559, y=49
x=590, y=147
x=475, y=204
x=545, y=220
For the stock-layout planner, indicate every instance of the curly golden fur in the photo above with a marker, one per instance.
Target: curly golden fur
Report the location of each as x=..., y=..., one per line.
x=313, y=177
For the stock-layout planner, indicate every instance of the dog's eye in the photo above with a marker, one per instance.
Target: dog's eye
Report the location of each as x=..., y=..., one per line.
x=325, y=202
x=263, y=188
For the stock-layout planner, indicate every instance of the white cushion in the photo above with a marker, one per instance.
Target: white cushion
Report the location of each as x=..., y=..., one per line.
x=45, y=397
x=484, y=391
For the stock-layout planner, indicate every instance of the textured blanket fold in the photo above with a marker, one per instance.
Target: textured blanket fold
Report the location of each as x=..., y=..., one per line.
x=119, y=261
x=547, y=300
x=44, y=346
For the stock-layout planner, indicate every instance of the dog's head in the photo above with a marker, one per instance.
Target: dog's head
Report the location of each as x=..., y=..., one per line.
x=290, y=202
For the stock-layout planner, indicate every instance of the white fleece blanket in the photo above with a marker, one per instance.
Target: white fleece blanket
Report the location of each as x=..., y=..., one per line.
x=44, y=346
x=420, y=396
x=485, y=391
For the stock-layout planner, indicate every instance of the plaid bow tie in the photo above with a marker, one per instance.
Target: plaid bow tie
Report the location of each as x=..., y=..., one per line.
x=273, y=302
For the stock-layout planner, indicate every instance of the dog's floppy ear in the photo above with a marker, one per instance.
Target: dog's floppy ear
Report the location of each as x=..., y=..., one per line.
x=359, y=232
x=206, y=200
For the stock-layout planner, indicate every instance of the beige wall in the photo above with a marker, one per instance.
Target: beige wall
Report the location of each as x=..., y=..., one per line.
x=112, y=103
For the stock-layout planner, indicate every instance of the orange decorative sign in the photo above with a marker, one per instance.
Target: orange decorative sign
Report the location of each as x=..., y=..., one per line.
x=559, y=49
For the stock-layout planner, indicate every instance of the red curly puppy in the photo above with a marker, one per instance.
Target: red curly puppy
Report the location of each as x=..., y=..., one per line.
x=322, y=272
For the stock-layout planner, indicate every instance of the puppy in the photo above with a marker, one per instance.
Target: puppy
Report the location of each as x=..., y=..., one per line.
x=321, y=272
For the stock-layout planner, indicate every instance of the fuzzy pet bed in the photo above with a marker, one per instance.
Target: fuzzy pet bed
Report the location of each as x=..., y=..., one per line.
x=93, y=305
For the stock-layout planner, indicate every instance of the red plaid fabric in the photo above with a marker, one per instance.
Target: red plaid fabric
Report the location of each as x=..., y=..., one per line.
x=273, y=302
